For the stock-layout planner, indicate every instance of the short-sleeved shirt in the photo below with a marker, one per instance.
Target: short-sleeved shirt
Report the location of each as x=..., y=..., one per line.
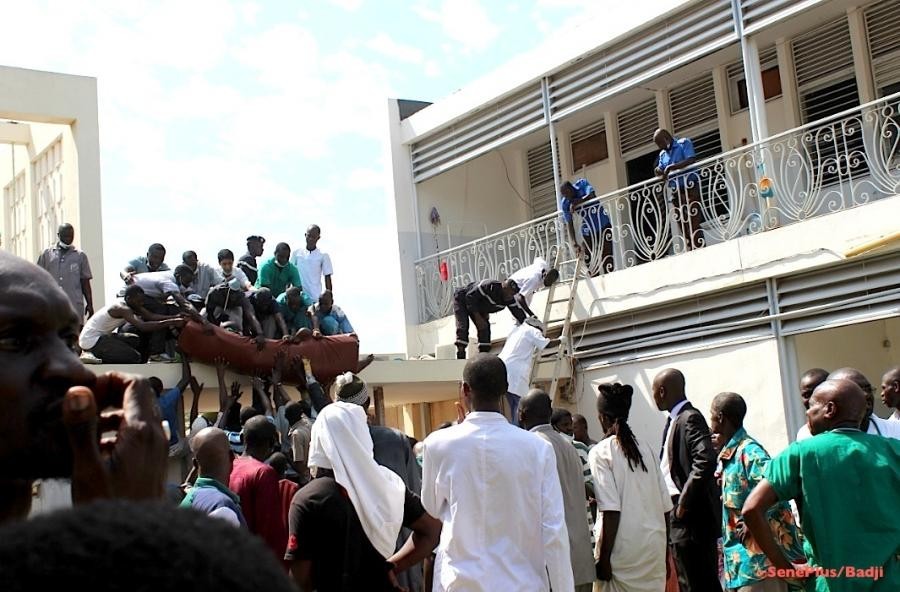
x=247, y=264
x=168, y=405
x=157, y=284
x=142, y=265
x=300, y=435
x=744, y=463
x=848, y=483
x=205, y=277
x=277, y=278
x=312, y=265
x=324, y=528
x=678, y=151
x=593, y=216
x=68, y=267
x=237, y=273
x=295, y=319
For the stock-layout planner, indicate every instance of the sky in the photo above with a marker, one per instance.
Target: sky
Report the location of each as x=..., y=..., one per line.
x=221, y=119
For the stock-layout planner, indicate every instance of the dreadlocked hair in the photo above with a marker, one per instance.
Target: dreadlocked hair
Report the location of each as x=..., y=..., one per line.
x=614, y=401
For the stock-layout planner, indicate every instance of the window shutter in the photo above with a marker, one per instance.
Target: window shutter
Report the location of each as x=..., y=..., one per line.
x=693, y=104
x=636, y=126
x=883, y=29
x=541, y=189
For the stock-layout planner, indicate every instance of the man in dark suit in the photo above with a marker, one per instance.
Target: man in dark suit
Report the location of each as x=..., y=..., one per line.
x=688, y=464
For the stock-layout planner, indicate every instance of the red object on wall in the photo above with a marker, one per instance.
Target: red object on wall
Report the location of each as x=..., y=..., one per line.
x=329, y=356
x=444, y=271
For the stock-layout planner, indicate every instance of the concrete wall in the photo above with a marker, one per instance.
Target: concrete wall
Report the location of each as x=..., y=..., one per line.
x=870, y=347
x=54, y=105
x=761, y=388
x=474, y=199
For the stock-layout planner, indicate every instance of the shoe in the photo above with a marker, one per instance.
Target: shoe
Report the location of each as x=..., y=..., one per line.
x=162, y=358
x=89, y=358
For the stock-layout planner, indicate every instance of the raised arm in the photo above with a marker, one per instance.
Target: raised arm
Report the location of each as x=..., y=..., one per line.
x=196, y=389
x=157, y=323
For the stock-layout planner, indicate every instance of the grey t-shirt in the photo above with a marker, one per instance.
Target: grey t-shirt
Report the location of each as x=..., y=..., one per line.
x=68, y=267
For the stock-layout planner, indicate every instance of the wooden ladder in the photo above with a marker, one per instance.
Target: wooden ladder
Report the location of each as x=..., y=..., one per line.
x=564, y=345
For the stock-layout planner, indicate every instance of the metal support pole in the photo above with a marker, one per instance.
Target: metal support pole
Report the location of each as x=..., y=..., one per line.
x=554, y=154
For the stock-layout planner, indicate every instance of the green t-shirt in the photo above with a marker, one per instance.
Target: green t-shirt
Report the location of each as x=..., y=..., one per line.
x=848, y=483
x=277, y=279
x=295, y=320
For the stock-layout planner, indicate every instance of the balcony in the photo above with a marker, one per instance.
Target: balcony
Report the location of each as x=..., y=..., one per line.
x=836, y=163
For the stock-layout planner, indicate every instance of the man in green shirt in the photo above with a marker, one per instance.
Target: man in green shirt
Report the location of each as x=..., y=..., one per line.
x=294, y=306
x=278, y=273
x=847, y=482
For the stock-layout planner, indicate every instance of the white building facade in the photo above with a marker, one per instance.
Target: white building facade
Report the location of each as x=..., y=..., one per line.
x=50, y=165
x=792, y=106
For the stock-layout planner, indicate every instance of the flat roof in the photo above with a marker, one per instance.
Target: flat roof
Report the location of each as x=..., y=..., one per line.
x=545, y=59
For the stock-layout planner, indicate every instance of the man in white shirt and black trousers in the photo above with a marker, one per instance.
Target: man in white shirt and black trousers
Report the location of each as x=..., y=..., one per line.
x=496, y=489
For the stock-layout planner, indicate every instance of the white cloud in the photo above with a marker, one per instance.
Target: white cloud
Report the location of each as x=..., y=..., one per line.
x=387, y=46
x=366, y=178
x=465, y=22
x=432, y=69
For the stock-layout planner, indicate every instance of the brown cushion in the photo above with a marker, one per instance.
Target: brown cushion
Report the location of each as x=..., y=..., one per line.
x=329, y=356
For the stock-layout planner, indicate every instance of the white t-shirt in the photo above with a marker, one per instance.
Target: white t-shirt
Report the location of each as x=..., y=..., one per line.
x=530, y=279
x=517, y=354
x=312, y=265
x=157, y=284
x=236, y=272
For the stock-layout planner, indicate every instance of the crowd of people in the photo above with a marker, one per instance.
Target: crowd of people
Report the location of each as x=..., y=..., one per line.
x=281, y=298
x=323, y=499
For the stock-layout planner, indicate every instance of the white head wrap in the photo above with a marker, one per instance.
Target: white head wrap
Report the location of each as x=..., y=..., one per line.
x=341, y=442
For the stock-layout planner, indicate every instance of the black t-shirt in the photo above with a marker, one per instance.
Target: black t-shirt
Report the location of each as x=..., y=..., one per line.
x=247, y=264
x=319, y=532
x=262, y=308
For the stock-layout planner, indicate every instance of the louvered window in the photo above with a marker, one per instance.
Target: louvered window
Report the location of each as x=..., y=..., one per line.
x=823, y=59
x=637, y=125
x=693, y=104
x=758, y=12
x=491, y=127
x=737, y=80
x=730, y=316
x=541, y=189
x=694, y=30
x=883, y=29
x=853, y=292
x=589, y=145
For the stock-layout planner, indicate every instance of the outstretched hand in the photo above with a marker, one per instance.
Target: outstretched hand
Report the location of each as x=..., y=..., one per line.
x=235, y=394
x=129, y=464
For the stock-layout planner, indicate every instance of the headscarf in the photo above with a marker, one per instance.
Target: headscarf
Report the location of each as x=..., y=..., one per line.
x=340, y=441
x=351, y=388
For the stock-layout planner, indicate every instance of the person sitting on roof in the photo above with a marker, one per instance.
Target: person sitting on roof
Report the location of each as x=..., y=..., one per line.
x=327, y=318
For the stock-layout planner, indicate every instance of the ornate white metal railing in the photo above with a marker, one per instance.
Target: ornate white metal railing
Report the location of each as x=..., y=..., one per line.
x=843, y=161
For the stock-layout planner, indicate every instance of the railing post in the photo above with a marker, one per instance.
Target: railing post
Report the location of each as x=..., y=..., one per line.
x=757, y=108
x=554, y=154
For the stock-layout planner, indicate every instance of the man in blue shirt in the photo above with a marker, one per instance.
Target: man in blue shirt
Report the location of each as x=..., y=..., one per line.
x=295, y=305
x=596, y=228
x=329, y=319
x=678, y=155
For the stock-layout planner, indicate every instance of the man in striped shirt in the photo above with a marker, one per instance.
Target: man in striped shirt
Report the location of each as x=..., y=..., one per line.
x=562, y=422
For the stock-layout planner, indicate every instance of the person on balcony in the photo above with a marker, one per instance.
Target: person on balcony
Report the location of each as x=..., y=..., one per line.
x=596, y=227
x=154, y=261
x=227, y=270
x=247, y=262
x=328, y=318
x=313, y=264
x=477, y=301
x=278, y=273
x=294, y=306
x=678, y=155
x=73, y=277
x=204, y=275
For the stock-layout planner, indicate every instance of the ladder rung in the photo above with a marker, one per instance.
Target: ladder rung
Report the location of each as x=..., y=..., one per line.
x=551, y=321
x=561, y=300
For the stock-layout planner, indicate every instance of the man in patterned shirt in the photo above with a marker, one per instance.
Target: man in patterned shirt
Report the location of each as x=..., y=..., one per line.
x=562, y=422
x=743, y=461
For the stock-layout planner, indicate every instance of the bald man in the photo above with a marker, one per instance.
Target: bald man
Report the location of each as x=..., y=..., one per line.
x=213, y=460
x=871, y=423
x=688, y=464
x=43, y=395
x=845, y=482
x=534, y=416
x=890, y=392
